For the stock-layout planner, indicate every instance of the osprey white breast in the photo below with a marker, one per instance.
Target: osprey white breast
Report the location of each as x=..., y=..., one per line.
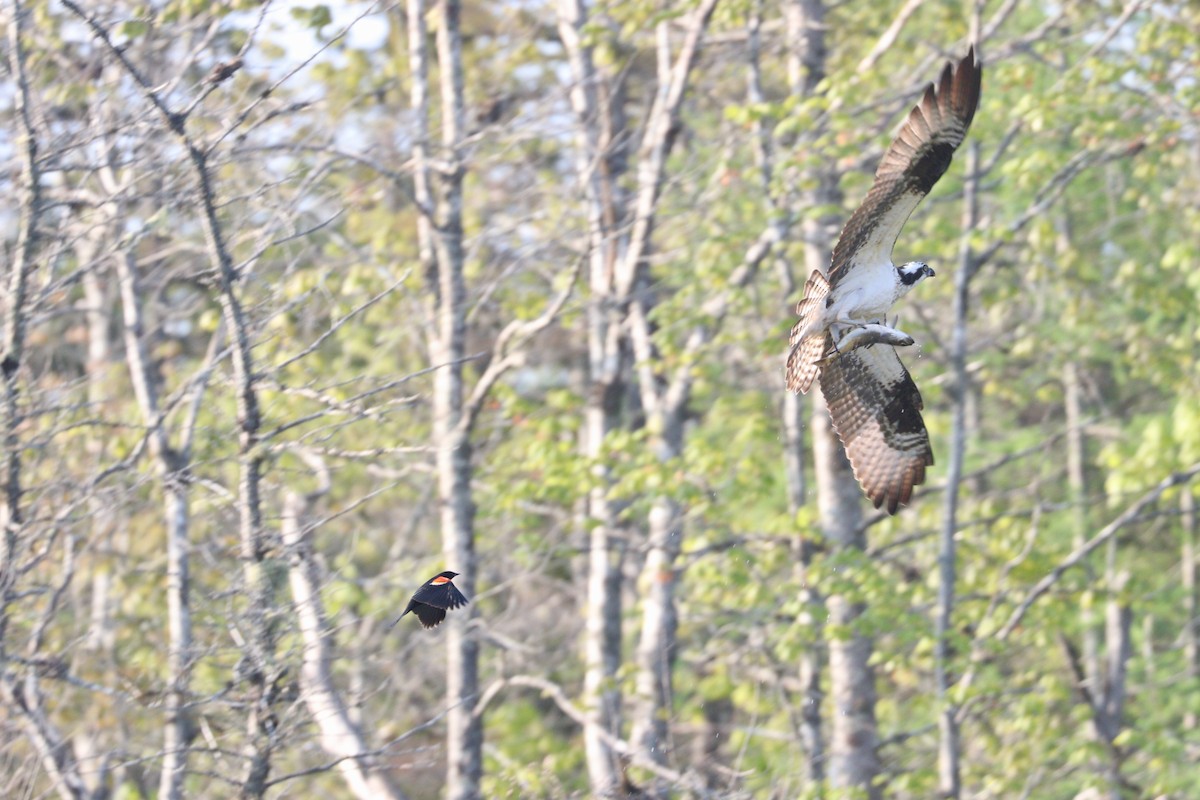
x=867, y=294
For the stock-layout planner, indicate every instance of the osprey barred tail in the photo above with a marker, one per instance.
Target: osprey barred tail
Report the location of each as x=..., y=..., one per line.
x=873, y=402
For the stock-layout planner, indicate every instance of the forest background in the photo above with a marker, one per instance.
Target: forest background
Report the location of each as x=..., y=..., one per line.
x=304, y=303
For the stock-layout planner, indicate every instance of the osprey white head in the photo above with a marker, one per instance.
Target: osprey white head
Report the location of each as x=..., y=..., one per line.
x=914, y=272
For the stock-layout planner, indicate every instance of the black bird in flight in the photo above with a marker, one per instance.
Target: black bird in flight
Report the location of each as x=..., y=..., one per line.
x=434, y=598
x=842, y=335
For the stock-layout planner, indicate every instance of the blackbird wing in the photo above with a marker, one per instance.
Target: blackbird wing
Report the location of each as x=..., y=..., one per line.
x=444, y=596
x=430, y=616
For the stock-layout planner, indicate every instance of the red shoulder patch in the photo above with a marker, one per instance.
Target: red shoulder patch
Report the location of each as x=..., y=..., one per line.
x=440, y=580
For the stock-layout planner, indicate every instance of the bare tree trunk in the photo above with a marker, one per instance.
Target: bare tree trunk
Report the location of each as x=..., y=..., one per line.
x=949, y=773
x=656, y=650
x=418, y=64
x=101, y=636
x=339, y=736
x=660, y=623
x=811, y=660
x=1102, y=675
x=802, y=82
x=792, y=416
x=665, y=401
x=447, y=346
x=172, y=468
x=15, y=320
x=794, y=448
x=1106, y=701
x=1118, y=642
x=1077, y=482
x=172, y=465
x=1191, y=606
x=853, y=761
x=255, y=545
x=602, y=632
x=607, y=368
x=255, y=541
x=23, y=696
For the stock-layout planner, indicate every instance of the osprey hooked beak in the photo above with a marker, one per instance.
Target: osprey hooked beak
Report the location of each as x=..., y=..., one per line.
x=928, y=270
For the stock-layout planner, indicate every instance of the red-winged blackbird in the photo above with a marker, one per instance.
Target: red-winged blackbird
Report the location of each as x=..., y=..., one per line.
x=433, y=599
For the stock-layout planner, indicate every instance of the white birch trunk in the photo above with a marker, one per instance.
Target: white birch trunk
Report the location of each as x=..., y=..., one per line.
x=1191, y=604
x=660, y=623
x=853, y=737
x=439, y=237
x=949, y=771
x=607, y=366
x=464, y=735
x=15, y=320
x=171, y=472
x=101, y=635
x=1077, y=481
x=339, y=736
x=1118, y=624
x=811, y=661
x=665, y=405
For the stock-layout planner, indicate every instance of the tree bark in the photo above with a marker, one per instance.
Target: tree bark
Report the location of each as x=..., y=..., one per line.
x=801, y=82
x=608, y=364
x=664, y=399
x=172, y=467
x=854, y=738
x=853, y=760
x=15, y=320
x=660, y=624
x=101, y=636
x=1191, y=604
x=1077, y=482
x=22, y=694
x=254, y=540
x=339, y=736
x=1118, y=623
x=447, y=347
x=949, y=748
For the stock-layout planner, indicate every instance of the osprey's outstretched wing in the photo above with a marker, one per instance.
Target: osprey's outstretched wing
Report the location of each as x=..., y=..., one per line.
x=876, y=411
x=920, y=154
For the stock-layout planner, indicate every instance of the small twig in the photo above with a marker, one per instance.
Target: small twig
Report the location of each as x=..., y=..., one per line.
x=518, y=333
x=336, y=326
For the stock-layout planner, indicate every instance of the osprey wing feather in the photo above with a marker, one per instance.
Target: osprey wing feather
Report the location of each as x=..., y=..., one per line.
x=872, y=400
x=876, y=411
x=918, y=156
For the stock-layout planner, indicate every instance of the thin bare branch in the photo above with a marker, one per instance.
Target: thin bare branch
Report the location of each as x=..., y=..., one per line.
x=1127, y=517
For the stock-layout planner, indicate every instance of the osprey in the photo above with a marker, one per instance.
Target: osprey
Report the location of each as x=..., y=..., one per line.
x=843, y=335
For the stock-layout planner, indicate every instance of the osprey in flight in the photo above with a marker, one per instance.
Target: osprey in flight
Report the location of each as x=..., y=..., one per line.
x=843, y=335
